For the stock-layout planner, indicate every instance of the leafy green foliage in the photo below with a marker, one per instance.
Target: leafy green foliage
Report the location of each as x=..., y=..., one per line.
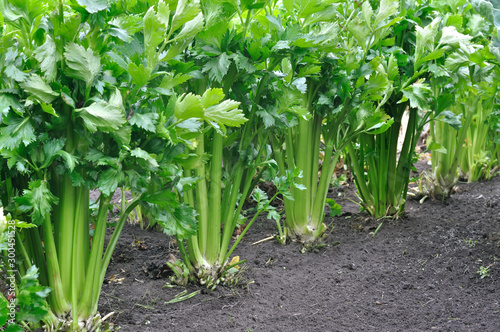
x=82, y=63
x=180, y=221
x=489, y=9
x=103, y=116
x=417, y=94
x=93, y=6
x=39, y=200
x=335, y=208
x=451, y=118
x=88, y=102
x=441, y=47
x=32, y=298
x=48, y=57
x=39, y=89
x=16, y=131
x=4, y=310
x=209, y=108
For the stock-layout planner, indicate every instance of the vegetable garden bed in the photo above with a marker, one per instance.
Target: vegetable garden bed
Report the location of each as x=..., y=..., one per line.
x=189, y=106
x=418, y=273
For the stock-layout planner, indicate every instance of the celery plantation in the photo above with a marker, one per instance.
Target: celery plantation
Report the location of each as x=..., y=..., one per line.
x=189, y=145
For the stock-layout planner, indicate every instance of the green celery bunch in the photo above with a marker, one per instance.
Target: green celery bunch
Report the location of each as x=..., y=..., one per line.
x=325, y=99
x=450, y=131
x=82, y=109
x=480, y=159
x=381, y=172
x=27, y=300
x=494, y=129
x=468, y=78
x=230, y=156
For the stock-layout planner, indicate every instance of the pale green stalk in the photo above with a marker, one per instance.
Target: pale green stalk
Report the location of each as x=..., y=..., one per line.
x=201, y=195
x=94, y=267
x=214, y=207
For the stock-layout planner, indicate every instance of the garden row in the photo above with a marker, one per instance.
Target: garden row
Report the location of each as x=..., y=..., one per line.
x=189, y=105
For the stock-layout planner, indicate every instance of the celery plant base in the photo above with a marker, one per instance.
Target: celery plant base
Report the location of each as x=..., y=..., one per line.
x=96, y=323
x=308, y=236
x=437, y=187
x=229, y=274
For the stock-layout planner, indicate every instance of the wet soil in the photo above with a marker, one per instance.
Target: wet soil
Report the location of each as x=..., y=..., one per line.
x=417, y=273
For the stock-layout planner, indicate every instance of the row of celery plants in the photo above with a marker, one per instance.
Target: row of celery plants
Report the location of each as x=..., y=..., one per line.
x=268, y=58
x=440, y=50
x=186, y=104
x=458, y=138
x=480, y=159
x=226, y=163
x=76, y=117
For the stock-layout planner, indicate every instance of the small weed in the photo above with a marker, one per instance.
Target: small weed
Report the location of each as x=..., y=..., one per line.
x=471, y=243
x=484, y=271
x=339, y=181
x=335, y=209
x=312, y=247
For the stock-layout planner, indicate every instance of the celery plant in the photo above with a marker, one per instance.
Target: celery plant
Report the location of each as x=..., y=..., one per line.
x=478, y=162
x=449, y=132
x=206, y=250
x=76, y=116
x=466, y=76
x=494, y=121
x=327, y=99
x=224, y=163
x=479, y=159
x=383, y=185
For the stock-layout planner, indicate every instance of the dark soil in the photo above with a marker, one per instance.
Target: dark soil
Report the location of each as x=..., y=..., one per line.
x=418, y=273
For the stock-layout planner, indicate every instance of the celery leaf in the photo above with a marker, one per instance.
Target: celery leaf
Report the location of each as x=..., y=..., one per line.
x=387, y=8
x=109, y=180
x=102, y=115
x=16, y=131
x=31, y=298
x=37, y=87
x=145, y=159
x=454, y=120
x=145, y=121
x=154, y=30
x=94, y=6
x=48, y=56
x=186, y=11
x=188, y=106
x=83, y=64
x=226, y=114
x=217, y=67
x=418, y=94
x=39, y=200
